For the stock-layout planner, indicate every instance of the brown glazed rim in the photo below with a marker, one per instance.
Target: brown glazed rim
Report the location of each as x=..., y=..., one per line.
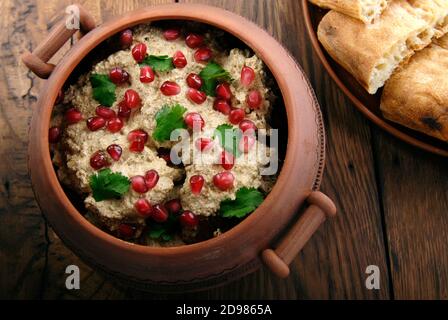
x=106, y=30
x=358, y=104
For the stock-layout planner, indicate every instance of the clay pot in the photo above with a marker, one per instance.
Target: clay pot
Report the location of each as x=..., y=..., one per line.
x=272, y=235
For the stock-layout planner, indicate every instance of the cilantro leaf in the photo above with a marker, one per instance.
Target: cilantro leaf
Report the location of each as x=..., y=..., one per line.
x=159, y=63
x=103, y=89
x=168, y=119
x=211, y=75
x=108, y=185
x=164, y=231
x=229, y=138
x=246, y=201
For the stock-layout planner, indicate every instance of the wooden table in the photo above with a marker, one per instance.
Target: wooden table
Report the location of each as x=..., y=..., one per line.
x=392, y=198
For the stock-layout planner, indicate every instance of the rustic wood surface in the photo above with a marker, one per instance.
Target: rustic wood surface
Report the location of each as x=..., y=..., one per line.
x=392, y=198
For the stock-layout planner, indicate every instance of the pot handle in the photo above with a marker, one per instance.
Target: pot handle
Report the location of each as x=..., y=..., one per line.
x=37, y=61
x=319, y=209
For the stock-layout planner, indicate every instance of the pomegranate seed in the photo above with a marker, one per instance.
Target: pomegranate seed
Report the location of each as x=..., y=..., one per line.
x=236, y=116
x=132, y=99
x=196, y=184
x=194, y=81
x=173, y=206
x=73, y=116
x=139, y=52
x=227, y=160
x=223, y=91
x=126, y=230
x=114, y=124
x=54, y=134
x=126, y=38
x=246, y=125
x=224, y=180
x=170, y=88
x=118, y=76
x=151, y=178
x=98, y=160
x=105, y=112
x=115, y=151
x=124, y=112
x=171, y=34
x=247, y=76
x=194, y=40
x=188, y=219
x=95, y=123
x=196, y=96
x=143, y=207
x=59, y=97
x=137, y=145
x=203, y=54
x=204, y=144
x=159, y=213
x=222, y=106
x=146, y=74
x=246, y=143
x=254, y=99
x=138, y=134
x=193, y=119
x=179, y=60
x=138, y=184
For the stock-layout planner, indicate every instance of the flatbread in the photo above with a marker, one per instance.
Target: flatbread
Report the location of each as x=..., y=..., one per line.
x=365, y=10
x=371, y=53
x=417, y=95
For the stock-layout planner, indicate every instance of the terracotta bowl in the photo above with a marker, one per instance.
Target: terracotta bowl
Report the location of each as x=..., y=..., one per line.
x=272, y=235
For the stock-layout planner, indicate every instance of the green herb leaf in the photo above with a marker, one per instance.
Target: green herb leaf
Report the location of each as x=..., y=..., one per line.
x=108, y=185
x=229, y=138
x=159, y=63
x=246, y=201
x=211, y=75
x=164, y=231
x=168, y=119
x=103, y=89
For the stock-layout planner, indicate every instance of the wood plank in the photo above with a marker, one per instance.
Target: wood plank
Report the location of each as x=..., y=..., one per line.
x=414, y=185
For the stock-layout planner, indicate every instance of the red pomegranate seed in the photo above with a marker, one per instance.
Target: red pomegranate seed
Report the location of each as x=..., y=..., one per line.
x=171, y=34
x=254, y=99
x=138, y=134
x=115, y=151
x=194, y=81
x=196, y=96
x=143, y=207
x=247, y=76
x=137, y=145
x=151, y=178
x=193, y=119
x=246, y=143
x=179, y=60
x=105, y=112
x=196, y=183
x=188, y=219
x=227, y=160
x=173, y=206
x=139, y=52
x=224, y=180
x=203, y=54
x=236, y=116
x=159, y=213
x=146, y=74
x=126, y=230
x=132, y=99
x=54, y=134
x=126, y=38
x=98, y=160
x=118, y=76
x=95, y=123
x=138, y=184
x=124, y=112
x=59, y=97
x=222, y=106
x=170, y=88
x=223, y=91
x=73, y=116
x=204, y=144
x=194, y=40
x=246, y=125
x=114, y=125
